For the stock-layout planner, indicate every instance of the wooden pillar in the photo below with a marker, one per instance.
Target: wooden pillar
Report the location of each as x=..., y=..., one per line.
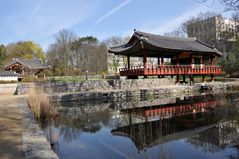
x=177, y=63
x=145, y=59
x=145, y=56
x=201, y=67
x=177, y=79
x=128, y=61
x=184, y=78
x=130, y=118
x=211, y=61
x=162, y=63
x=212, y=77
x=192, y=62
x=203, y=78
x=158, y=66
x=201, y=62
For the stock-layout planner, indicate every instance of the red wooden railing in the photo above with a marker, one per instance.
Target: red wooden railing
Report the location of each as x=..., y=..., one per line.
x=171, y=70
x=181, y=110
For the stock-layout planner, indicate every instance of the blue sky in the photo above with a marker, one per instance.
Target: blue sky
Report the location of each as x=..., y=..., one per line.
x=40, y=20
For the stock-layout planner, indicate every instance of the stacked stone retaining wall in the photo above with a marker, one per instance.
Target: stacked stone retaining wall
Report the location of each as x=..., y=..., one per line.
x=123, y=89
x=95, y=85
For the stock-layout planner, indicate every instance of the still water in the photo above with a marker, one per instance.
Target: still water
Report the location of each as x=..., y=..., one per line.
x=203, y=126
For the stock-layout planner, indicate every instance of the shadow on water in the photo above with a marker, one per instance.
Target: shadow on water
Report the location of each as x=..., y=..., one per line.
x=203, y=126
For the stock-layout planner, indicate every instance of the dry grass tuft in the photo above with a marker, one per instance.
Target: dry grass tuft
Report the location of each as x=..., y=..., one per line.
x=41, y=106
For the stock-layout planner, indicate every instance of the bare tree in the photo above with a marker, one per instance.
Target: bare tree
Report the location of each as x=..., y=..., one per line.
x=63, y=41
x=178, y=32
x=184, y=29
x=113, y=60
x=229, y=4
x=70, y=54
x=116, y=61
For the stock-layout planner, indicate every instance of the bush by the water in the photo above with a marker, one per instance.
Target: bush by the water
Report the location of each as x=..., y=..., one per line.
x=40, y=105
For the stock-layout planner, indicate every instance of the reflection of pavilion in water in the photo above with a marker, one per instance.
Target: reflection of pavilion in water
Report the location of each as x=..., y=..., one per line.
x=207, y=122
x=181, y=107
x=149, y=126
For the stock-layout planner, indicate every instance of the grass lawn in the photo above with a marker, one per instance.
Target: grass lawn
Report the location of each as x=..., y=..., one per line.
x=74, y=78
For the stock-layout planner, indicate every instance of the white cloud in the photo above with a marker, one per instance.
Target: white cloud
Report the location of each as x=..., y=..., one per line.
x=35, y=11
x=113, y=11
x=175, y=22
x=48, y=18
x=163, y=25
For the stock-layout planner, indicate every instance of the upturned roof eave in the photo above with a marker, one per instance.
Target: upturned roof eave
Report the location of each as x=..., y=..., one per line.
x=126, y=51
x=122, y=49
x=213, y=51
x=29, y=67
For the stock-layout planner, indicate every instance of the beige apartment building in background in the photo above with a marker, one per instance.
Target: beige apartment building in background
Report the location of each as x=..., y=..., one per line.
x=214, y=31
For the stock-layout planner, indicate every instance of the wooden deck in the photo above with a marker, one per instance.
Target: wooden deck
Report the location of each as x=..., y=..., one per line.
x=171, y=70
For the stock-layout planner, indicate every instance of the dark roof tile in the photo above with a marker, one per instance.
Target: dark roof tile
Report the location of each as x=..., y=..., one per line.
x=166, y=43
x=7, y=73
x=30, y=63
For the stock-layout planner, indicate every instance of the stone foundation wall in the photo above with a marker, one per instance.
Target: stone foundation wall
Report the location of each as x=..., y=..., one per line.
x=124, y=89
x=34, y=142
x=96, y=85
x=138, y=94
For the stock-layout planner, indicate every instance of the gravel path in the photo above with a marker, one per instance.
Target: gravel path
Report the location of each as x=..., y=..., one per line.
x=20, y=135
x=10, y=128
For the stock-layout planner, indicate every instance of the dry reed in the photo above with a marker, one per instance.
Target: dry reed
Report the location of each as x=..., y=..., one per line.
x=41, y=106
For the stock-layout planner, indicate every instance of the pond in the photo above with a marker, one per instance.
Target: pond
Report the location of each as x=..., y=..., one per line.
x=202, y=126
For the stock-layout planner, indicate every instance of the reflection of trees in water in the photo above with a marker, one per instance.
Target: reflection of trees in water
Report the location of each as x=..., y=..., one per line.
x=68, y=133
x=76, y=119
x=72, y=122
x=226, y=133
x=206, y=141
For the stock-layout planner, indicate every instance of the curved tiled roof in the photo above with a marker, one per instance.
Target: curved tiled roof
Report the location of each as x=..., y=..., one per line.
x=30, y=63
x=160, y=44
x=7, y=73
